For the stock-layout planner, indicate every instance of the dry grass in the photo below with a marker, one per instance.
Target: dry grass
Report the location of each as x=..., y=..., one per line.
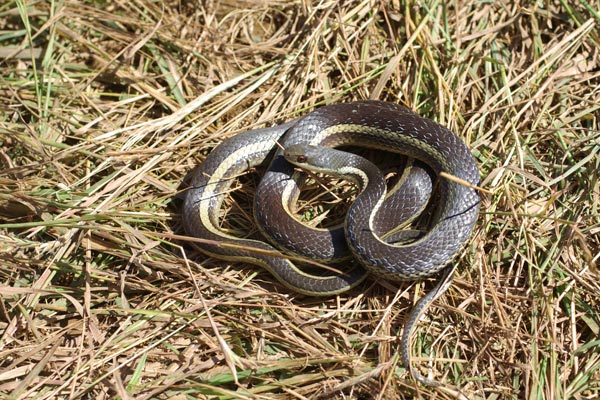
x=106, y=105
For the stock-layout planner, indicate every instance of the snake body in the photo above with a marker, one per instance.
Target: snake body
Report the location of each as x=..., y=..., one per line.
x=372, y=124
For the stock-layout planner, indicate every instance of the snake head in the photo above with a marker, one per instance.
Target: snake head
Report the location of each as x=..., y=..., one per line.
x=299, y=154
x=333, y=162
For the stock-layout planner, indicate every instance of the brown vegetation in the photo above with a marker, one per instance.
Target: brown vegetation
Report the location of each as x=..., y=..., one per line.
x=106, y=105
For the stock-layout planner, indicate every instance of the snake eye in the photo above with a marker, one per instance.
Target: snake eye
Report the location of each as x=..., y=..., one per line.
x=301, y=158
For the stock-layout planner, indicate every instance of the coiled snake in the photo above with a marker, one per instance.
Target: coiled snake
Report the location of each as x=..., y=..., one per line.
x=372, y=124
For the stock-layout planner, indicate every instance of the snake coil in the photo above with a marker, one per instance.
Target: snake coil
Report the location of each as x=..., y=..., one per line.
x=372, y=124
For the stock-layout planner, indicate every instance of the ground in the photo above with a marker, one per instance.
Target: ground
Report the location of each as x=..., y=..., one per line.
x=107, y=105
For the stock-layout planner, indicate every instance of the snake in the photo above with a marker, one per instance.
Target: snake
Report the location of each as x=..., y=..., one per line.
x=309, y=141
